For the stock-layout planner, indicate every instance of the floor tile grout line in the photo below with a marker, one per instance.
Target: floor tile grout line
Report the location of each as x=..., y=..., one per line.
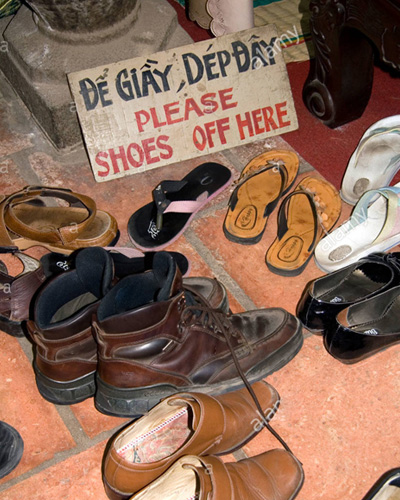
x=21, y=159
x=60, y=457
x=219, y=272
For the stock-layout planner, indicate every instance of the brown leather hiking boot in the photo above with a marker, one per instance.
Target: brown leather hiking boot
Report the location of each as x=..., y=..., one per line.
x=155, y=340
x=274, y=475
x=183, y=424
x=65, y=351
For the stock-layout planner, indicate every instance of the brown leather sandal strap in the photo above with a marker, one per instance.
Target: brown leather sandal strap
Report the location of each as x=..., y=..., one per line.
x=65, y=234
x=6, y=242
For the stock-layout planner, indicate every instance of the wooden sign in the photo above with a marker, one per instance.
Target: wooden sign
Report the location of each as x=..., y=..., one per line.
x=170, y=106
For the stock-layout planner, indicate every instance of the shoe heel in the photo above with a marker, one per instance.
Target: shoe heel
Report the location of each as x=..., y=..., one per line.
x=65, y=393
x=114, y=494
x=13, y=328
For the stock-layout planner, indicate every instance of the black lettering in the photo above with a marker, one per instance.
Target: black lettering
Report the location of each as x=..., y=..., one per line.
x=224, y=59
x=149, y=80
x=209, y=63
x=89, y=93
x=199, y=66
x=124, y=88
x=242, y=56
x=164, y=77
x=103, y=91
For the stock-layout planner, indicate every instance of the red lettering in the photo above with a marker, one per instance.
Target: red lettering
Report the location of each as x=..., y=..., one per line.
x=222, y=126
x=201, y=142
x=141, y=122
x=191, y=105
x=156, y=123
x=114, y=157
x=139, y=151
x=281, y=113
x=244, y=123
x=102, y=163
x=210, y=131
x=162, y=144
x=148, y=148
x=208, y=102
x=257, y=118
x=269, y=121
x=170, y=110
x=225, y=97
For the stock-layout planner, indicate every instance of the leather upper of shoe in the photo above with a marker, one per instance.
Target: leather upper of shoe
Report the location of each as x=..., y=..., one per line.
x=325, y=297
x=149, y=331
x=61, y=328
x=274, y=475
x=134, y=459
x=365, y=328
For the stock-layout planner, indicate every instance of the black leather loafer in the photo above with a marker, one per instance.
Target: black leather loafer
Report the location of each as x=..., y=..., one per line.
x=365, y=328
x=325, y=297
x=387, y=486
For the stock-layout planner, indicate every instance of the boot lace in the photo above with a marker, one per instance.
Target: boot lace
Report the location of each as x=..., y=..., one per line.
x=218, y=323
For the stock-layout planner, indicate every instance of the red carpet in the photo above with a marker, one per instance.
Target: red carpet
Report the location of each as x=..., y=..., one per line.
x=328, y=150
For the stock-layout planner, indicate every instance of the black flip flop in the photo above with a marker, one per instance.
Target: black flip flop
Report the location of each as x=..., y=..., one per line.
x=174, y=204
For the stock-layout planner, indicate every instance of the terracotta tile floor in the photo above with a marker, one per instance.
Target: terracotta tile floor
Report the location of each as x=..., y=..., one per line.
x=341, y=421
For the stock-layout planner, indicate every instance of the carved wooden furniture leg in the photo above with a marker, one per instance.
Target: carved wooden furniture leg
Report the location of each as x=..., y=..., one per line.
x=339, y=84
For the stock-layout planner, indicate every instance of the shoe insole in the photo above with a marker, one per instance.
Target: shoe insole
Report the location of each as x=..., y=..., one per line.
x=253, y=202
x=355, y=286
x=293, y=249
x=73, y=306
x=46, y=219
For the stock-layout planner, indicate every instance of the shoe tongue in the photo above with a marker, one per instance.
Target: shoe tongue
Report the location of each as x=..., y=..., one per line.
x=167, y=275
x=95, y=269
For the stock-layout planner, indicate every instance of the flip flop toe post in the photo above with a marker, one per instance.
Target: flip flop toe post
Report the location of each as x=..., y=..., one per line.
x=175, y=203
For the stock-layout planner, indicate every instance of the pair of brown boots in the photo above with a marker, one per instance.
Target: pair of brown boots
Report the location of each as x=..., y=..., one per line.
x=171, y=452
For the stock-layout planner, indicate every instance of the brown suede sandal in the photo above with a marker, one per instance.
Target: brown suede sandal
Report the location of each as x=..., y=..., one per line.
x=264, y=180
x=305, y=216
x=26, y=222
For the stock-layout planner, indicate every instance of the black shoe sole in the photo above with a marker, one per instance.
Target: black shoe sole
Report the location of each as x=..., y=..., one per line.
x=65, y=393
x=13, y=328
x=134, y=403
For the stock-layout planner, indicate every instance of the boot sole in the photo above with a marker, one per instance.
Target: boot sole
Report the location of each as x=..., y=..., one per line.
x=134, y=403
x=13, y=328
x=65, y=393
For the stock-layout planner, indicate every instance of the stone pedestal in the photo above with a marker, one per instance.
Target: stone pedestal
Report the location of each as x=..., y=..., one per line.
x=42, y=44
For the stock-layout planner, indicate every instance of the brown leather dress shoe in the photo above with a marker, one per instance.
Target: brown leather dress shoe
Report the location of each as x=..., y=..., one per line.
x=183, y=424
x=274, y=475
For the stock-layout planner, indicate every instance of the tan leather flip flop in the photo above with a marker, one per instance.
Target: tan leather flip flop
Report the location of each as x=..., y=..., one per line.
x=26, y=222
x=305, y=216
x=264, y=180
